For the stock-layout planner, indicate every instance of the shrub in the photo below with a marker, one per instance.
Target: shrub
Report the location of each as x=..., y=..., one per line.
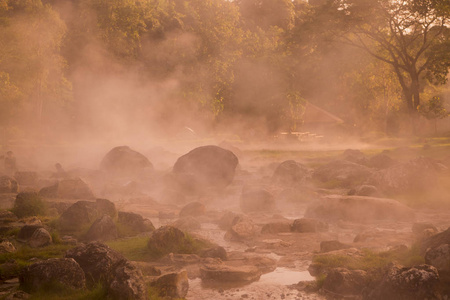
x=28, y=204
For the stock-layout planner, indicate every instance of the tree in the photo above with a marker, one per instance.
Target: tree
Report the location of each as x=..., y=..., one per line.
x=433, y=110
x=412, y=36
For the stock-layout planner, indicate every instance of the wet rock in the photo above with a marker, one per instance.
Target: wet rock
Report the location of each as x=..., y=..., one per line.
x=359, y=209
x=381, y=161
x=97, y=260
x=416, y=175
x=29, y=204
x=439, y=258
x=276, y=227
x=105, y=206
x=435, y=241
x=127, y=282
x=8, y=185
x=192, y=209
x=103, y=229
x=243, y=229
x=166, y=239
x=79, y=214
x=187, y=223
x=40, y=238
x=7, y=247
x=342, y=172
x=290, y=173
x=345, y=282
x=205, y=167
x=26, y=232
x=327, y=246
x=135, y=222
x=255, y=199
x=224, y=273
x=124, y=161
x=418, y=282
x=308, y=225
x=26, y=178
x=64, y=271
x=173, y=285
x=215, y=252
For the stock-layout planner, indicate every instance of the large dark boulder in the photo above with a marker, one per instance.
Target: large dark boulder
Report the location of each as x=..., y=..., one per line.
x=103, y=229
x=205, y=167
x=309, y=225
x=27, y=231
x=62, y=271
x=173, y=285
x=439, y=258
x=403, y=283
x=345, y=282
x=257, y=199
x=40, y=238
x=97, y=260
x=8, y=185
x=124, y=161
x=105, y=206
x=135, y=222
x=343, y=173
x=359, y=209
x=78, y=215
x=435, y=241
x=290, y=173
x=166, y=239
x=127, y=282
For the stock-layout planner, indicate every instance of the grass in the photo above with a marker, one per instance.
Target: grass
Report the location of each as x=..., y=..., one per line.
x=58, y=291
x=25, y=253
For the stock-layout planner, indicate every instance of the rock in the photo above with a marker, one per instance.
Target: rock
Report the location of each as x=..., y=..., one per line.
x=40, y=238
x=7, y=217
x=127, y=282
x=263, y=263
x=228, y=219
x=17, y=295
x=26, y=232
x=105, y=206
x=346, y=173
x=215, y=252
x=26, y=178
x=10, y=270
x=243, y=229
x=365, y=190
x=103, y=229
x=309, y=225
x=255, y=199
x=276, y=227
x=290, y=173
x=7, y=247
x=327, y=246
x=419, y=228
x=359, y=209
x=418, y=282
x=74, y=188
x=166, y=239
x=439, y=258
x=8, y=185
x=135, y=222
x=97, y=260
x=224, y=273
x=355, y=156
x=435, y=241
x=79, y=214
x=187, y=223
x=64, y=271
x=29, y=204
x=193, y=209
x=345, y=282
x=381, y=161
x=69, y=240
x=205, y=167
x=414, y=176
x=50, y=191
x=173, y=285
x=125, y=162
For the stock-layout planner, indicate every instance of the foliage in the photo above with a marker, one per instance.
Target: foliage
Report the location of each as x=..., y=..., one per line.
x=28, y=204
x=433, y=109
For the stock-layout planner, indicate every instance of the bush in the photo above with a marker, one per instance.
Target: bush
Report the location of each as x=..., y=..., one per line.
x=28, y=204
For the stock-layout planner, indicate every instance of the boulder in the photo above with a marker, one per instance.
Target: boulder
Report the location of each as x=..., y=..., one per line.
x=103, y=229
x=97, y=260
x=26, y=232
x=345, y=282
x=9, y=270
x=7, y=216
x=28, y=204
x=215, y=252
x=416, y=175
x=105, y=206
x=135, y=222
x=290, y=173
x=243, y=229
x=172, y=285
x=205, y=167
x=439, y=258
x=344, y=173
x=8, y=185
x=381, y=161
x=40, y=238
x=127, y=282
x=228, y=219
x=193, y=209
x=308, y=225
x=7, y=247
x=187, y=223
x=225, y=273
x=74, y=188
x=276, y=227
x=403, y=283
x=124, y=161
x=256, y=199
x=166, y=239
x=359, y=209
x=64, y=271
x=327, y=246
x=435, y=241
x=79, y=214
